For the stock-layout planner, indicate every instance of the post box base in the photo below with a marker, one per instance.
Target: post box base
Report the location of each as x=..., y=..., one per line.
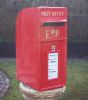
x=31, y=94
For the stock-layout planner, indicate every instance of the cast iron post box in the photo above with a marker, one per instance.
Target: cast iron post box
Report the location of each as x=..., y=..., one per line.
x=41, y=47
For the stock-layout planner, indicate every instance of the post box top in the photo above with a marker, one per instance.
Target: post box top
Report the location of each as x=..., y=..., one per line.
x=59, y=13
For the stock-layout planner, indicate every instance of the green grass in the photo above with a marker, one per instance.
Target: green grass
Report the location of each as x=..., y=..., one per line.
x=77, y=80
x=8, y=66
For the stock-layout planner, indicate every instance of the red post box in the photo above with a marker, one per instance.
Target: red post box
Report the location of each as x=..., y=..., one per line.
x=41, y=47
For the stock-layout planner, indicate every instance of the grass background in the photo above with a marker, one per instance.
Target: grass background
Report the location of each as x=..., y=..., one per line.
x=77, y=80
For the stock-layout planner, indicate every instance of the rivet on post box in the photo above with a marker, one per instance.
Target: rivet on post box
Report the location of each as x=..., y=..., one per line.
x=41, y=47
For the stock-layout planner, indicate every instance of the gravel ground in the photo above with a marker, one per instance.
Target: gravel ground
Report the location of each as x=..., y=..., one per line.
x=4, y=83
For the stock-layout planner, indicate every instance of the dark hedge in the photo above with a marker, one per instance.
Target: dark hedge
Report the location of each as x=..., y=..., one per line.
x=77, y=17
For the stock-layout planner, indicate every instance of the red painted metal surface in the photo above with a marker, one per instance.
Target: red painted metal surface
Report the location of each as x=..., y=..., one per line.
x=41, y=47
